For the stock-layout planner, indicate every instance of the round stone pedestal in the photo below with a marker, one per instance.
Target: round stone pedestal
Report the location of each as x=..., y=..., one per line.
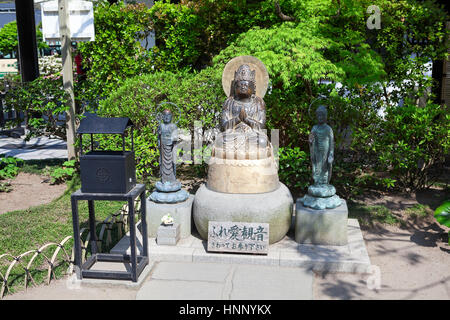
x=274, y=208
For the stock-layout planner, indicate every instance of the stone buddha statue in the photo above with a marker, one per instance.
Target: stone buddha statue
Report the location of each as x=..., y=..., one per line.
x=242, y=120
x=243, y=184
x=321, y=195
x=242, y=158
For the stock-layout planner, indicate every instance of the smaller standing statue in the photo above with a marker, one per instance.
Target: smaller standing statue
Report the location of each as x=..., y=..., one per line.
x=168, y=190
x=167, y=139
x=321, y=195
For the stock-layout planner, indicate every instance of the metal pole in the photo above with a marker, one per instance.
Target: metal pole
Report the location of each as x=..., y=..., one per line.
x=92, y=229
x=144, y=224
x=76, y=237
x=27, y=47
x=26, y=32
x=133, y=258
x=64, y=30
x=2, y=117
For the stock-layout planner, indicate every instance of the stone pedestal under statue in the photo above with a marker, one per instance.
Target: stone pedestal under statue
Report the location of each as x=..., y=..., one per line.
x=322, y=227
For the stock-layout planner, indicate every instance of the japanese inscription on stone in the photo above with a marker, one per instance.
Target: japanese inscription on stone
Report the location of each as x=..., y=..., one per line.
x=238, y=237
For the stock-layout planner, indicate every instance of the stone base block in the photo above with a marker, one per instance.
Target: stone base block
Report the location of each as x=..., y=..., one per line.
x=324, y=227
x=181, y=213
x=163, y=241
x=168, y=231
x=274, y=208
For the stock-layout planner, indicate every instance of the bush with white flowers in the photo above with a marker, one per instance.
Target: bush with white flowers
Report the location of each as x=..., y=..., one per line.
x=50, y=64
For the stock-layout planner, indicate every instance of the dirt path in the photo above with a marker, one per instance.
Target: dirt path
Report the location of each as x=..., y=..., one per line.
x=414, y=263
x=29, y=190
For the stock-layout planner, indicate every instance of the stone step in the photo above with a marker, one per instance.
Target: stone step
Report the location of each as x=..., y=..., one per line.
x=352, y=257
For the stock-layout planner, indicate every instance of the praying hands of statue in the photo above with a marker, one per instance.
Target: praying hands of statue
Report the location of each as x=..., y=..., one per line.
x=247, y=120
x=242, y=115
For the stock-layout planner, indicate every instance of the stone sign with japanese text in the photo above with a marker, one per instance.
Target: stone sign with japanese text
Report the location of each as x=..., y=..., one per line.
x=238, y=237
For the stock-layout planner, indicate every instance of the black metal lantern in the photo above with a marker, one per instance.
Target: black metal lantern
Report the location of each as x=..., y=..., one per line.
x=106, y=171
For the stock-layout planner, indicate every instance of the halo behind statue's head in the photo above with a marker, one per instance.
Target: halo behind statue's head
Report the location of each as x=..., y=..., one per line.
x=163, y=105
x=261, y=74
x=321, y=100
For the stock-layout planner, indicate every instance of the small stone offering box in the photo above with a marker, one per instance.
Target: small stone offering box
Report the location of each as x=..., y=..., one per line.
x=168, y=234
x=238, y=237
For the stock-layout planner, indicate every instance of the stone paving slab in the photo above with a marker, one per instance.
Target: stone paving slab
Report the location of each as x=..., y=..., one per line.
x=217, y=281
x=209, y=272
x=180, y=290
x=271, y=283
x=352, y=257
x=35, y=148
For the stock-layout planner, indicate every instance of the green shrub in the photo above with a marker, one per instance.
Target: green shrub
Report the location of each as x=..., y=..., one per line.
x=410, y=143
x=9, y=167
x=178, y=33
x=66, y=172
x=116, y=54
x=190, y=33
x=42, y=97
x=199, y=97
x=294, y=170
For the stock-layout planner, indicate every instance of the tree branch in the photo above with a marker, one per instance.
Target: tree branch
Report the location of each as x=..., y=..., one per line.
x=281, y=14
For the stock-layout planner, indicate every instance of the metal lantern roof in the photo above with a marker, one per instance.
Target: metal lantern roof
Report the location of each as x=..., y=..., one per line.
x=94, y=124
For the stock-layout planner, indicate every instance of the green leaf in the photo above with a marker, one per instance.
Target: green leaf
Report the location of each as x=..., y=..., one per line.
x=442, y=214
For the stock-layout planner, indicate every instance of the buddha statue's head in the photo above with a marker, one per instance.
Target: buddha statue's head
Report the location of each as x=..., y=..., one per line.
x=321, y=114
x=167, y=116
x=244, y=82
